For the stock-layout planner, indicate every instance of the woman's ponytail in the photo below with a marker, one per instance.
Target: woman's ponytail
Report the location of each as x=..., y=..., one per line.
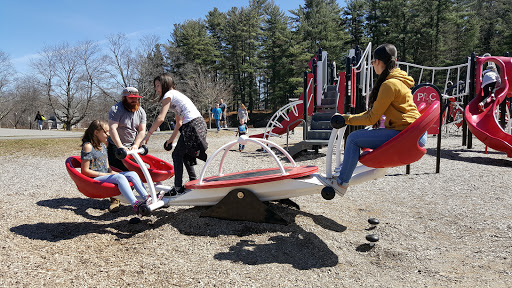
x=387, y=54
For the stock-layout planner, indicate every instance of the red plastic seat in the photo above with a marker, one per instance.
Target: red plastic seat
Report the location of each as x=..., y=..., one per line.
x=88, y=186
x=421, y=107
x=403, y=149
x=158, y=169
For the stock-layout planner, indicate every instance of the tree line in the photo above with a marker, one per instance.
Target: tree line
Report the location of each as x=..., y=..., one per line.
x=255, y=54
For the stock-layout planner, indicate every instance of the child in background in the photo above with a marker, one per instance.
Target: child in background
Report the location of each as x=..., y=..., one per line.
x=216, y=115
x=95, y=165
x=242, y=130
x=490, y=82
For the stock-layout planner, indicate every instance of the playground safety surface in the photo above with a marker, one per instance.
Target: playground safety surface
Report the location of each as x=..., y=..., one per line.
x=450, y=229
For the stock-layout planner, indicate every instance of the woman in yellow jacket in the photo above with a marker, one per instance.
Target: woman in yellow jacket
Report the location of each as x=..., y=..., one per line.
x=391, y=96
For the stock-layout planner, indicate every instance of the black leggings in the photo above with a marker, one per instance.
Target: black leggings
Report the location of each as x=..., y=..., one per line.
x=177, y=158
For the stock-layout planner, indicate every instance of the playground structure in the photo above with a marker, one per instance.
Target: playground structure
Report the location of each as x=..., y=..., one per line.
x=484, y=124
x=321, y=99
x=458, y=83
x=240, y=195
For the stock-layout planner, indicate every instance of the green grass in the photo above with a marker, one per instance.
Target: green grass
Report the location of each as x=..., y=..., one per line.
x=40, y=147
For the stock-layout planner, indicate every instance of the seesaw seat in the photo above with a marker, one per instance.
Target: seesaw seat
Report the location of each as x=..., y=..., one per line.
x=88, y=186
x=403, y=149
x=158, y=169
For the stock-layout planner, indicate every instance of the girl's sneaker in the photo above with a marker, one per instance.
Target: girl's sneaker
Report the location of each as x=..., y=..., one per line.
x=148, y=200
x=160, y=195
x=342, y=186
x=141, y=208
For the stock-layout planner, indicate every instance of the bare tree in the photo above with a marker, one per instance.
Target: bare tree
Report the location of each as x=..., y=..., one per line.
x=149, y=64
x=205, y=92
x=120, y=66
x=26, y=101
x=6, y=75
x=68, y=75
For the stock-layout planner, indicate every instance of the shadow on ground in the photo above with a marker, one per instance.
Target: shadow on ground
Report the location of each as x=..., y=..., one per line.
x=462, y=155
x=295, y=246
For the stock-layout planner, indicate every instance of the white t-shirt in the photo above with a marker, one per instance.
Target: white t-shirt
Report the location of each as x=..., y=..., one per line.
x=490, y=77
x=182, y=105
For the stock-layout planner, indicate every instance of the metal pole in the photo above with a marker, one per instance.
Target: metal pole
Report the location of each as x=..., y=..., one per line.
x=315, y=67
x=503, y=107
x=438, y=154
x=472, y=73
x=348, y=70
x=305, y=101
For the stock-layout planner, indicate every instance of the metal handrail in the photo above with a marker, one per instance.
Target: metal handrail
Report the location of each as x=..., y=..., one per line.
x=304, y=133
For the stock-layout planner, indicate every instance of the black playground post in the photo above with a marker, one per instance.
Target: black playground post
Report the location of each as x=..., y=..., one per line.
x=503, y=106
x=305, y=97
x=348, y=64
x=467, y=99
x=313, y=101
x=444, y=106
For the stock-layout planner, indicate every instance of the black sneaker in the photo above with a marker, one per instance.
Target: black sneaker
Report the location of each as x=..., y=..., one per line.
x=175, y=191
x=141, y=208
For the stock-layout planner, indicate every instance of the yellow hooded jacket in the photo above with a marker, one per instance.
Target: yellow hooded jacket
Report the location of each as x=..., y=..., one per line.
x=394, y=101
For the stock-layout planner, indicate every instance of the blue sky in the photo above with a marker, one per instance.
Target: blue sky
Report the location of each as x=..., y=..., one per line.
x=28, y=26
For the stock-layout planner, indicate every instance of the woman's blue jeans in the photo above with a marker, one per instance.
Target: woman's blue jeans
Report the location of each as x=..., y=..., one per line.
x=122, y=180
x=365, y=138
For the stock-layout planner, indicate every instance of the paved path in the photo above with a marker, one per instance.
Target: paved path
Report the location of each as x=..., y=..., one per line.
x=6, y=133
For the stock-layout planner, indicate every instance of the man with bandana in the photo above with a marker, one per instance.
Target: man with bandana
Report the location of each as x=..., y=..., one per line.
x=127, y=121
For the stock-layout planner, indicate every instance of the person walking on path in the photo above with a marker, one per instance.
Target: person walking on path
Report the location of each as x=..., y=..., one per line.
x=39, y=118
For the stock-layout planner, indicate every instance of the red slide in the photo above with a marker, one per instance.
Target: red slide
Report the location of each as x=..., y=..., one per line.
x=483, y=124
x=281, y=128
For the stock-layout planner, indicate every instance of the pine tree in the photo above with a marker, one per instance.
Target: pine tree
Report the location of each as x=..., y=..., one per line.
x=459, y=35
x=319, y=25
x=354, y=18
x=276, y=57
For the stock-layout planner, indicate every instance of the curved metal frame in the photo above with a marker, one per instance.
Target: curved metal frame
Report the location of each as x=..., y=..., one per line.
x=263, y=143
x=282, y=113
